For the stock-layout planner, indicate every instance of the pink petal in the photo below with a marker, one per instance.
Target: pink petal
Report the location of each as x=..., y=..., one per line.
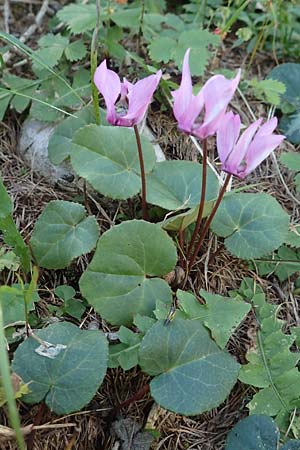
x=187, y=106
x=260, y=149
x=227, y=135
x=217, y=92
x=139, y=98
x=267, y=128
x=109, y=85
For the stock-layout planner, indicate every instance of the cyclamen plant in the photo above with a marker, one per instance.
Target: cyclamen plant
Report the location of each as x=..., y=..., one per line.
x=128, y=279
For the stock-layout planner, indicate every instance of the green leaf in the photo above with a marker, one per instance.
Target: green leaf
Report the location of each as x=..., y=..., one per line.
x=290, y=126
x=79, y=18
x=65, y=292
x=289, y=263
x=176, y=185
x=289, y=75
x=8, y=260
x=13, y=238
x=293, y=444
x=192, y=374
x=75, y=51
x=161, y=49
x=268, y=90
x=272, y=367
x=62, y=233
x=71, y=373
x=221, y=315
x=51, y=49
x=293, y=237
x=6, y=205
x=107, y=158
x=253, y=224
x=12, y=301
x=127, y=18
x=257, y=432
x=125, y=354
x=24, y=86
x=198, y=41
x=291, y=160
x=120, y=281
x=60, y=142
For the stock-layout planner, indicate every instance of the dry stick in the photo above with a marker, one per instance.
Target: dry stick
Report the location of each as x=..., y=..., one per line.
x=6, y=15
x=208, y=222
x=143, y=177
x=26, y=35
x=202, y=199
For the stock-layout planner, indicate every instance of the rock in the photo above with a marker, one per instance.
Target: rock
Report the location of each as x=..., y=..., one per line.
x=33, y=148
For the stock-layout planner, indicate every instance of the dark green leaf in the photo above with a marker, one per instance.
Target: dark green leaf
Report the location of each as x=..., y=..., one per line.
x=62, y=233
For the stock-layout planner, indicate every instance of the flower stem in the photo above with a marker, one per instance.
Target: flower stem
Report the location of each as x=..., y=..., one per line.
x=143, y=177
x=93, y=62
x=208, y=222
x=202, y=200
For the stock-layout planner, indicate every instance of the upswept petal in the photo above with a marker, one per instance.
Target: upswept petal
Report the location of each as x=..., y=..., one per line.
x=109, y=85
x=139, y=97
x=186, y=106
x=217, y=93
x=227, y=135
x=267, y=128
x=260, y=148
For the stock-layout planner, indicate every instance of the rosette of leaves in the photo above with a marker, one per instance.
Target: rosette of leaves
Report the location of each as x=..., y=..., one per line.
x=272, y=366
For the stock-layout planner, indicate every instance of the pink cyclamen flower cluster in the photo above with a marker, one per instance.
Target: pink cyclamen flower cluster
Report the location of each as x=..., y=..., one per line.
x=201, y=115
x=240, y=156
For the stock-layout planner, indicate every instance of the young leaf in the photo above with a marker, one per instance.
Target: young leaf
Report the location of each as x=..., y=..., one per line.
x=161, y=49
x=68, y=376
x=175, y=185
x=75, y=51
x=191, y=374
x=79, y=18
x=12, y=301
x=51, y=49
x=107, y=158
x=289, y=75
x=13, y=238
x=121, y=282
x=253, y=224
x=220, y=314
x=268, y=90
x=62, y=233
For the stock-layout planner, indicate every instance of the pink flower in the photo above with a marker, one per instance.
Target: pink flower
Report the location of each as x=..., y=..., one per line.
x=126, y=103
x=213, y=97
x=241, y=156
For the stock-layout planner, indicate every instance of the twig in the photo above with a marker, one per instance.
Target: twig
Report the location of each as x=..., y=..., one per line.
x=6, y=15
x=29, y=32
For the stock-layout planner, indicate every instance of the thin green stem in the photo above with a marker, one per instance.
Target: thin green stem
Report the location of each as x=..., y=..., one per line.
x=202, y=200
x=207, y=224
x=143, y=176
x=7, y=385
x=93, y=62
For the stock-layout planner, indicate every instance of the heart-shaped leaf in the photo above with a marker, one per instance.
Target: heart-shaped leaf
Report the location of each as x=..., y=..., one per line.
x=253, y=224
x=176, y=185
x=257, y=432
x=120, y=281
x=289, y=75
x=107, y=158
x=67, y=373
x=192, y=374
x=62, y=233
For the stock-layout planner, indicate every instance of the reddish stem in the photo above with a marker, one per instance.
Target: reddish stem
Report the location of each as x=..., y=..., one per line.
x=140, y=394
x=202, y=200
x=207, y=223
x=143, y=177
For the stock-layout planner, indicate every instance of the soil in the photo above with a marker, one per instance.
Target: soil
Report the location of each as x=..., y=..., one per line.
x=91, y=428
